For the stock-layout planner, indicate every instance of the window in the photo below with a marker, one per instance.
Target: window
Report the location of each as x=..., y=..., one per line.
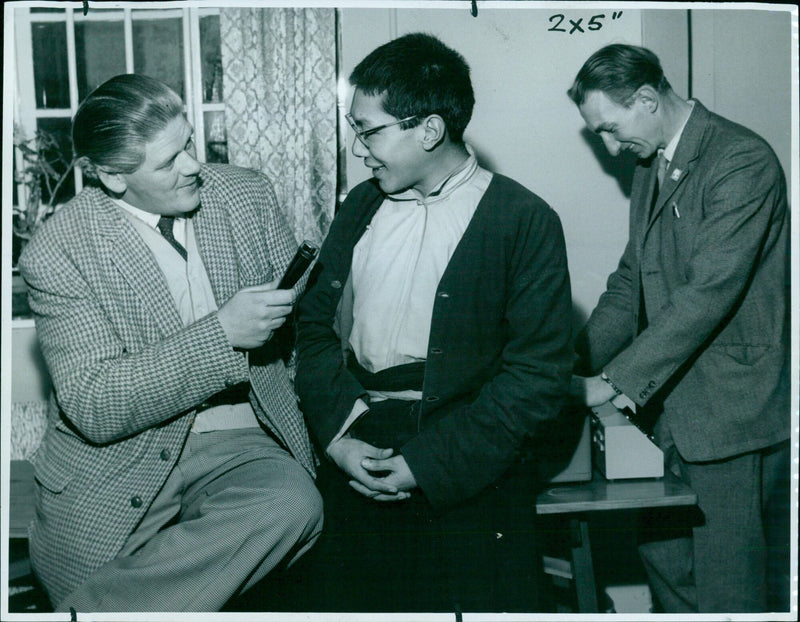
x=62, y=55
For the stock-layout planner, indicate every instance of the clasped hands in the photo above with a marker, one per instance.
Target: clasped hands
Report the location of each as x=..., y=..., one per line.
x=374, y=472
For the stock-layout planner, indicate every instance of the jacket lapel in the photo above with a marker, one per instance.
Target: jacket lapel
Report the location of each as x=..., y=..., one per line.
x=215, y=242
x=119, y=243
x=684, y=160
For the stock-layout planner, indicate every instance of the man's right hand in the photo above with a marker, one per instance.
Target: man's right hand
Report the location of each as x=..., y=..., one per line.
x=348, y=453
x=253, y=314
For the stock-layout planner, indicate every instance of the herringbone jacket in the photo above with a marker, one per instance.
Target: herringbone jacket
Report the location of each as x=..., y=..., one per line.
x=711, y=262
x=127, y=375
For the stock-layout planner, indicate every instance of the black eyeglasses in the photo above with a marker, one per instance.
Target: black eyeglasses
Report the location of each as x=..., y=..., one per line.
x=363, y=135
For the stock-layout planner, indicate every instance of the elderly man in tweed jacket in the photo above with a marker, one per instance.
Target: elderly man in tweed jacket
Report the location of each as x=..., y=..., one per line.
x=176, y=470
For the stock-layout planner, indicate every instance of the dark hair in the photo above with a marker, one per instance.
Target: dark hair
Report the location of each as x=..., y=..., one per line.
x=618, y=71
x=419, y=75
x=118, y=118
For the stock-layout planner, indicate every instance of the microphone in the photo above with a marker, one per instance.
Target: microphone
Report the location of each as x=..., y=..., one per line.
x=302, y=259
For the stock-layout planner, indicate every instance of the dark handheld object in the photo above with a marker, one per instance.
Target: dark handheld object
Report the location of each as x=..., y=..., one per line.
x=302, y=259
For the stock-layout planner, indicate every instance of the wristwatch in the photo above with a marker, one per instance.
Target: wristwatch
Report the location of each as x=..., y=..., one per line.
x=607, y=380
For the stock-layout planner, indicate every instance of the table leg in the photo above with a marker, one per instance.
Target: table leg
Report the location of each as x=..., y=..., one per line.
x=582, y=567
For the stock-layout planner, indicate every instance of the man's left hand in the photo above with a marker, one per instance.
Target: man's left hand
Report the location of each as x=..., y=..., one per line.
x=395, y=472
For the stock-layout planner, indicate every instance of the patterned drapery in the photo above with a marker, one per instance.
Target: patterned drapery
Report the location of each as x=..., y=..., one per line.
x=279, y=77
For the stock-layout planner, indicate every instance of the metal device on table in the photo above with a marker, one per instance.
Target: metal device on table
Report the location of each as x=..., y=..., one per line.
x=621, y=449
x=578, y=468
x=562, y=448
x=609, y=439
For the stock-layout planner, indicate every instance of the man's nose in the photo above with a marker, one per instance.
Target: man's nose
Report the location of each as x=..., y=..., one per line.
x=188, y=164
x=359, y=149
x=611, y=143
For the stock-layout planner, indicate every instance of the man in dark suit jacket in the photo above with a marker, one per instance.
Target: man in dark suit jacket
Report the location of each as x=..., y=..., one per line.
x=432, y=344
x=694, y=328
x=176, y=470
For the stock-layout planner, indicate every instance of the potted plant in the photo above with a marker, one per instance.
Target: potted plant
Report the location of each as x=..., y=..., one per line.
x=40, y=172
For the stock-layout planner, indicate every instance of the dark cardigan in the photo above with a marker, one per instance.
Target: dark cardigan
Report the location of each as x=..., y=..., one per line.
x=499, y=355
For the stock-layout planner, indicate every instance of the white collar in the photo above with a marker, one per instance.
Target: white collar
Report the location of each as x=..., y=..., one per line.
x=669, y=150
x=462, y=173
x=148, y=217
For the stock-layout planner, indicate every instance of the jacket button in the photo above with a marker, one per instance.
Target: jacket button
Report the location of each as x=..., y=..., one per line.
x=164, y=454
x=443, y=295
x=432, y=398
x=336, y=284
x=652, y=383
x=136, y=501
x=436, y=350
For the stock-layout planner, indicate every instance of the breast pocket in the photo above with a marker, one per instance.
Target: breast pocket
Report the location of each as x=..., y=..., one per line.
x=682, y=229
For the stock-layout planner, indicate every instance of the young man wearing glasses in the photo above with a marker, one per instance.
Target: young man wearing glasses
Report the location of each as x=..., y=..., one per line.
x=432, y=345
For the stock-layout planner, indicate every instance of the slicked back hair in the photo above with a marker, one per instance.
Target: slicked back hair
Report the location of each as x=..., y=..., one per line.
x=419, y=75
x=115, y=122
x=618, y=71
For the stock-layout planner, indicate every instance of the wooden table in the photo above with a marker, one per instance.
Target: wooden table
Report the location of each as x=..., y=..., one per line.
x=582, y=499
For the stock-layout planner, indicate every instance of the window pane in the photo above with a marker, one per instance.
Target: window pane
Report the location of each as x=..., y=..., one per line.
x=158, y=51
x=50, y=77
x=100, y=53
x=212, y=58
x=57, y=142
x=216, y=136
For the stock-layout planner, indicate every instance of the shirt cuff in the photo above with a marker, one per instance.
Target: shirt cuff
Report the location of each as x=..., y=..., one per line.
x=620, y=400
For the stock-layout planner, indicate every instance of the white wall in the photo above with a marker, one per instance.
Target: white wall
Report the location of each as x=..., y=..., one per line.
x=737, y=62
x=524, y=125
x=30, y=381
x=666, y=33
x=741, y=69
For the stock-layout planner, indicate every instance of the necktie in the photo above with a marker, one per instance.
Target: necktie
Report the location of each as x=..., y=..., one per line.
x=663, y=163
x=165, y=227
x=661, y=169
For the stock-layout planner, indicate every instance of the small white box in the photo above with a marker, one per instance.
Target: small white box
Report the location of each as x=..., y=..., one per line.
x=620, y=449
x=579, y=467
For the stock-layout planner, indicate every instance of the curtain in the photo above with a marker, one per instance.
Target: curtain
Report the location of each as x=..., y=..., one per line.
x=279, y=82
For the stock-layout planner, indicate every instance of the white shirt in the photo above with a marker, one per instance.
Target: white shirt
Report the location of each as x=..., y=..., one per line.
x=669, y=151
x=399, y=261
x=191, y=290
x=396, y=268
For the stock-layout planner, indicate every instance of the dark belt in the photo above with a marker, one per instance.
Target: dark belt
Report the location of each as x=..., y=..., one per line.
x=407, y=377
x=237, y=394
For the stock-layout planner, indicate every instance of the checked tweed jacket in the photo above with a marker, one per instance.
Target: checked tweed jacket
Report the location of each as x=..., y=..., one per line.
x=127, y=375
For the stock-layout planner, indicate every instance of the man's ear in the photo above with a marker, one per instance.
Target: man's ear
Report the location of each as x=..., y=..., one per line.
x=435, y=131
x=115, y=182
x=648, y=97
